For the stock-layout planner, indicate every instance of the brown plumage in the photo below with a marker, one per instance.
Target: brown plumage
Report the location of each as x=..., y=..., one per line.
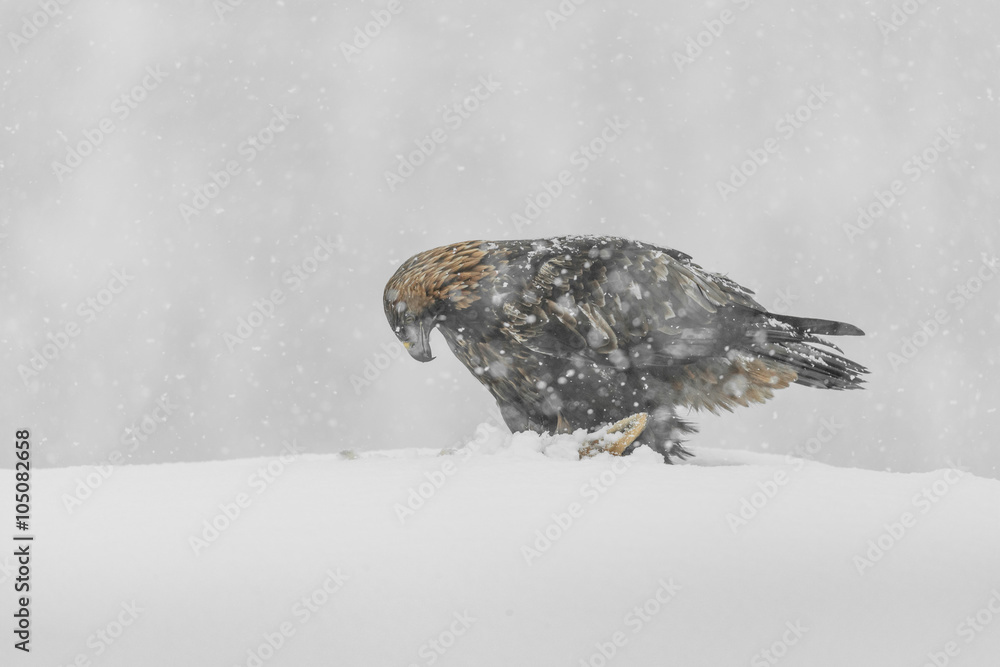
x=580, y=331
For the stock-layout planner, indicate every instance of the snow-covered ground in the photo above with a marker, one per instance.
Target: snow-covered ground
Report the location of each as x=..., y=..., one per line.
x=514, y=553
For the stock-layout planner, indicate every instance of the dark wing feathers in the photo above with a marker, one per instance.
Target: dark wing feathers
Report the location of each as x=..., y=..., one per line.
x=660, y=309
x=619, y=303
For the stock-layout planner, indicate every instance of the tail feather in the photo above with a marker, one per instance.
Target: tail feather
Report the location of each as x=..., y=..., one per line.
x=812, y=325
x=794, y=343
x=816, y=367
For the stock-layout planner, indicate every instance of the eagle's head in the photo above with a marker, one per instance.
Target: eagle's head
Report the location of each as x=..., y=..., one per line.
x=431, y=287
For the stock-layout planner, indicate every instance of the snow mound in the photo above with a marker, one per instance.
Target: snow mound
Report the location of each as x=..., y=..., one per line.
x=514, y=552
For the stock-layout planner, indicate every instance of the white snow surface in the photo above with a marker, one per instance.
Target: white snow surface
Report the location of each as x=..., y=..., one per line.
x=649, y=556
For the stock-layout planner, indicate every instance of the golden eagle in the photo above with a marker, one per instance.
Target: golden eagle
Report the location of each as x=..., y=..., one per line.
x=581, y=331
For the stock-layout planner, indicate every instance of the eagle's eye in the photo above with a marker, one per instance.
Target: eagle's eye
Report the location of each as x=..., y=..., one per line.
x=405, y=320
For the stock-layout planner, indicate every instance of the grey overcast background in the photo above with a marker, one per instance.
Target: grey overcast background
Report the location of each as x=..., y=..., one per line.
x=141, y=224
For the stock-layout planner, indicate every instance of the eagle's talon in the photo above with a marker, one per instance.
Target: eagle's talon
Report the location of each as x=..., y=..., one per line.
x=614, y=439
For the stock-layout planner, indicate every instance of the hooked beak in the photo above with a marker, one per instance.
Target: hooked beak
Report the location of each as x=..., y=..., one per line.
x=418, y=342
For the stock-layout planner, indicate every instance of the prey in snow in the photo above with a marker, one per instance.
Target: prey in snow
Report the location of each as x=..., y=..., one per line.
x=590, y=331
